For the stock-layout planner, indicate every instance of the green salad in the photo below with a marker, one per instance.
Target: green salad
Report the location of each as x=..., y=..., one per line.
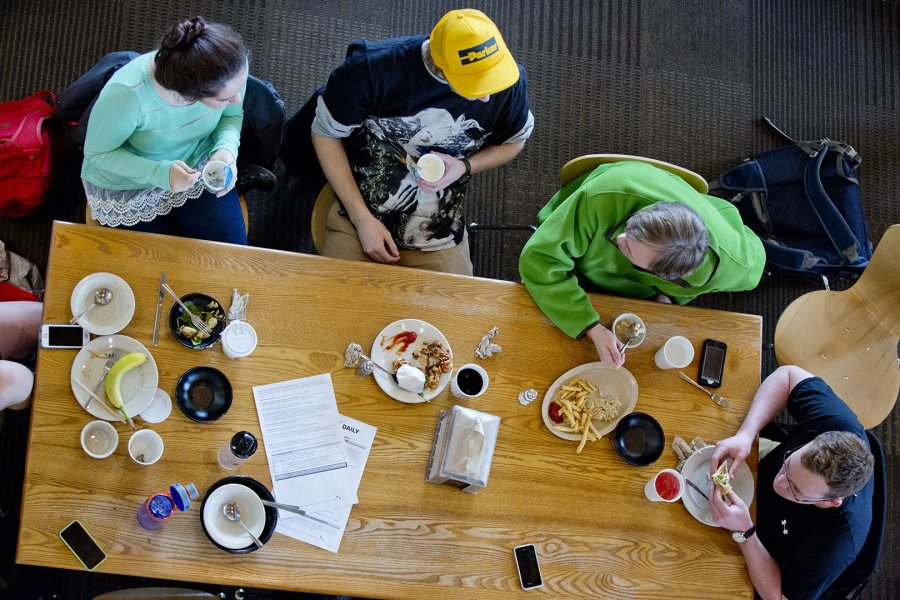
x=211, y=314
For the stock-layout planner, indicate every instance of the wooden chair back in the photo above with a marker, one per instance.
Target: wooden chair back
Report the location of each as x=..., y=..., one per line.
x=849, y=338
x=579, y=166
x=319, y=218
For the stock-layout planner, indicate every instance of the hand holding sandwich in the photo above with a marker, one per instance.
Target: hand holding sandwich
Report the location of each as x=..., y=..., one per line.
x=737, y=447
x=734, y=516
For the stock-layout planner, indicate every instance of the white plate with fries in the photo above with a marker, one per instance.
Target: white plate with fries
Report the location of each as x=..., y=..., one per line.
x=401, y=339
x=574, y=387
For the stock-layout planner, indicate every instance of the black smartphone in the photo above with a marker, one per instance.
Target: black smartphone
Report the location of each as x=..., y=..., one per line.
x=712, y=363
x=64, y=336
x=82, y=545
x=529, y=569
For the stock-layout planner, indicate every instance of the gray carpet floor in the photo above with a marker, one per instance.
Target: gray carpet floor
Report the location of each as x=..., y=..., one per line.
x=685, y=81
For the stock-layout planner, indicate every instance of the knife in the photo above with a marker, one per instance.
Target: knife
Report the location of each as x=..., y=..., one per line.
x=159, y=301
x=696, y=488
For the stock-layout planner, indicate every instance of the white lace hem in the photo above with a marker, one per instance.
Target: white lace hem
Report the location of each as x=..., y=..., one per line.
x=116, y=208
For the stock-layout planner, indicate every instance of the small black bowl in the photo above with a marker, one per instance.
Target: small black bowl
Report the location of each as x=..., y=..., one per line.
x=261, y=491
x=639, y=439
x=201, y=301
x=203, y=394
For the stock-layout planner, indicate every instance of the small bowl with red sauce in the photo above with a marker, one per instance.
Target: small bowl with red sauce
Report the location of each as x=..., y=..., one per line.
x=639, y=439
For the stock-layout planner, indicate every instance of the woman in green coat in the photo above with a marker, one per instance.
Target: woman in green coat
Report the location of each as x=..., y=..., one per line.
x=632, y=229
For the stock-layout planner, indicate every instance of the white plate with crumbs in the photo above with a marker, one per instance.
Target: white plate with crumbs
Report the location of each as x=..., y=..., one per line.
x=401, y=339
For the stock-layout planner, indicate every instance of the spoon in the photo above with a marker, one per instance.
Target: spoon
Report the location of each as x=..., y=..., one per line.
x=102, y=297
x=392, y=375
x=232, y=513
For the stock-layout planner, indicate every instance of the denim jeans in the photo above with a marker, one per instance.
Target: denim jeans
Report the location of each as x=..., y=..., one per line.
x=203, y=218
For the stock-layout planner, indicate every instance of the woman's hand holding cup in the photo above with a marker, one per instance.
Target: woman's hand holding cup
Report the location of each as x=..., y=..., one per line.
x=228, y=158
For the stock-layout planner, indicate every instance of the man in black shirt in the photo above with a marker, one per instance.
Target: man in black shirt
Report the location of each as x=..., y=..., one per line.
x=814, y=491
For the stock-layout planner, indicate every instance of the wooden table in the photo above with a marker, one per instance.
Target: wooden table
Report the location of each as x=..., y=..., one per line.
x=597, y=536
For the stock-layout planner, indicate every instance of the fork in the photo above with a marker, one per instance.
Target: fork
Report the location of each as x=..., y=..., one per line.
x=717, y=398
x=197, y=321
x=114, y=355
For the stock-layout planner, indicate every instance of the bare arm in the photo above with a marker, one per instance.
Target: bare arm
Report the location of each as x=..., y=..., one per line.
x=489, y=157
x=770, y=399
x=374, y=237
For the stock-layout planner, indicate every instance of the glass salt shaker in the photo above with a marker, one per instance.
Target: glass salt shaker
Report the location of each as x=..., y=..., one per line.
x=241, y=447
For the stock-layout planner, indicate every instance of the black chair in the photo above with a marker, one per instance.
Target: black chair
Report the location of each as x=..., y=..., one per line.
x=860, y=572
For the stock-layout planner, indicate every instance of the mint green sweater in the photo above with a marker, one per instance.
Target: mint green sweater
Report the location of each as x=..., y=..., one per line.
x=134, y=136
x=575, y=242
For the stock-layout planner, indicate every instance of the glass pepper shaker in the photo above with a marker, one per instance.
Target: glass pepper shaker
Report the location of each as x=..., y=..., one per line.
x=239, y=448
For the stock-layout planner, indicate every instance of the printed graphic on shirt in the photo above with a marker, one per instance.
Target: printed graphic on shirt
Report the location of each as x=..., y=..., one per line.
x=416, y=218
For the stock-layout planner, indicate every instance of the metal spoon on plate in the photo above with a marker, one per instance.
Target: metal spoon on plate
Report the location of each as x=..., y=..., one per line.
x=102, y=297
x=233, y=513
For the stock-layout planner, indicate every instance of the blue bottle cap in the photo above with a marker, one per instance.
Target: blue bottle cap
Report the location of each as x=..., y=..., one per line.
x=160, y=507
x=180, y=496
x=192, y=491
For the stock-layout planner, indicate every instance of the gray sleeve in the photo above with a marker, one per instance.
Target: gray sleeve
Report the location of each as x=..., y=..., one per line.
x=325, y=125
x=523, y=134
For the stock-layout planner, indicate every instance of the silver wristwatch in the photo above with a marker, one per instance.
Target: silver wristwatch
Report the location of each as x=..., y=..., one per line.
x=742, y=536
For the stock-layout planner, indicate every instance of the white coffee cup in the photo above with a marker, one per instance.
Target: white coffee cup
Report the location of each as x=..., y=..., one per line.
x=430, y=167
x=238, y=339
x=99, y=439
x=145, y=447
x=474, y=380
x=676, y=353
x=217, y=175
x=651, y=492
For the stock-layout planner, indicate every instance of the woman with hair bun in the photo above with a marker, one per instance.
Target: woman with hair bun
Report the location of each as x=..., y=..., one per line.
x=156, y=123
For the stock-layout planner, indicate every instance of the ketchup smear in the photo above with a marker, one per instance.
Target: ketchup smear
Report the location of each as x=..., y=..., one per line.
x=667, y=486
x=402, y=340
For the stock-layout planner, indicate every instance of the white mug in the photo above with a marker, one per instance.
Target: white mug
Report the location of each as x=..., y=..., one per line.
x=676, y=353
x=99, y=439
x=653, y=494
x=430, y=167
x=474, y=380
x=217, y=175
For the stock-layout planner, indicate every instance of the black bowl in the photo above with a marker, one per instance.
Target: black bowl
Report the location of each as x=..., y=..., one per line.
x=203, y=394
x=199, y=300
x=639, y=439
x=261, y=491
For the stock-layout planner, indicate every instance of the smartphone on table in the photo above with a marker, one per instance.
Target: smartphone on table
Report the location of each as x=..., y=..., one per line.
x=712, y=363
x=64, y=336
x=528, y=567
x=82, y=545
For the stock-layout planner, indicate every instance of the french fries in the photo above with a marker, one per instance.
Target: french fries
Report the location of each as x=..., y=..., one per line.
x=572, y=398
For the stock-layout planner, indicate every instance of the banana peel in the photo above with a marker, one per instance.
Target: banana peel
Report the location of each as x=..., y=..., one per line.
x=113, y=383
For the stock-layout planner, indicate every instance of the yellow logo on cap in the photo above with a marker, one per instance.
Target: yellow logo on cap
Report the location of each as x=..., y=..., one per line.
x=479, y=52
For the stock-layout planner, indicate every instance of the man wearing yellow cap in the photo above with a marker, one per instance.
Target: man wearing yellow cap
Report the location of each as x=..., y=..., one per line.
x=457, y=94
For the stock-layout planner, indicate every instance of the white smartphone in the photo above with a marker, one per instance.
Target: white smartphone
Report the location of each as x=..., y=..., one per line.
x=64, y=336
x=528, y=567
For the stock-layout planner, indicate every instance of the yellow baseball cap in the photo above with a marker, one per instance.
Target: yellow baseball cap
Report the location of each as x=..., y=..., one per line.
x=468, y=48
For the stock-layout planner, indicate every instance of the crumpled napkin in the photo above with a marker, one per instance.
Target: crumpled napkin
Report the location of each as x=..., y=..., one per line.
x=238, y=310
x=486, y=349
x=683, y=450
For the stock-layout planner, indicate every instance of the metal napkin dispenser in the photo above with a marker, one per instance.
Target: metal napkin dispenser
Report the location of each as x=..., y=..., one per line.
x=463, y=448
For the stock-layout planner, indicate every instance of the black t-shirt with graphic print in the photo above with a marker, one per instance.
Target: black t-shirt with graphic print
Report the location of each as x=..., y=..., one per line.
x=387, y=106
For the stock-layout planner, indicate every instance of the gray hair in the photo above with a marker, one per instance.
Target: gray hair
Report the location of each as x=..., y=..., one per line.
x=676, y=231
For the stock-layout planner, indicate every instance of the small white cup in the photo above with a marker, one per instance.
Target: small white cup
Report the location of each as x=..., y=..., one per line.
x=676, y=353
x=471, y=373
x=99, y=439
x=652, y=494
x=145, y=447
x=430, y=167
x=238, y=339
x=216, y=175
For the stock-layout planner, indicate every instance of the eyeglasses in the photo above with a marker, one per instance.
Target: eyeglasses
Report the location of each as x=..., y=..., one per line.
x=794, y=491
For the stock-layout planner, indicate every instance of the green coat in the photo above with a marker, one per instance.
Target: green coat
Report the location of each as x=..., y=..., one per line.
x=575, y=241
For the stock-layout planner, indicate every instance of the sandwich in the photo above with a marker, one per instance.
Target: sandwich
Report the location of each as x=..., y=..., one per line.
x=722, y=478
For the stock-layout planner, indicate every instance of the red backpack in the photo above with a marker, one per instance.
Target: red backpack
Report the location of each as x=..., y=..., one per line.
x=29, y=138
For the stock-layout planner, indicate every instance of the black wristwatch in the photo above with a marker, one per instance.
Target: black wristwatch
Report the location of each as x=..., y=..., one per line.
x=468, y=166
x=742, y=536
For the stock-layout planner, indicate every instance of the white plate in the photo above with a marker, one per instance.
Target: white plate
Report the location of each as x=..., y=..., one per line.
x=230, y=533
x=425, y=332
x=696, y=468
x=108, y=319
x=138, y=385
x=609, y=380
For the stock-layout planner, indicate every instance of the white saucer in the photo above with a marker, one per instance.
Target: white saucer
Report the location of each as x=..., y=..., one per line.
x=110, y=318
